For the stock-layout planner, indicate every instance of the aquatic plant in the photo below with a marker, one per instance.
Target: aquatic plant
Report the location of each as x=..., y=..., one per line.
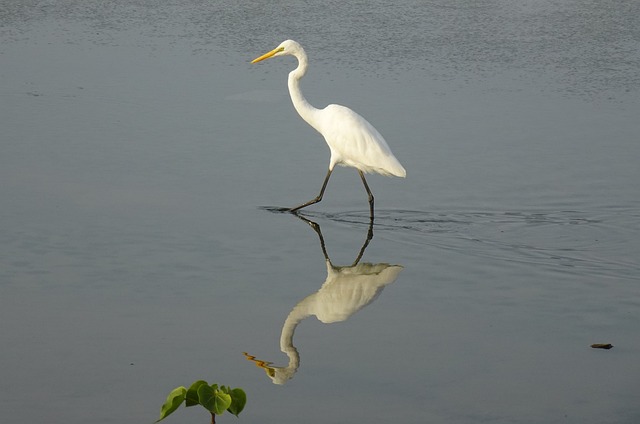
x=215, y=399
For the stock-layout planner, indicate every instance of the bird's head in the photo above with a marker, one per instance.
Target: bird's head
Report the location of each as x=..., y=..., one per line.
x=288, y=47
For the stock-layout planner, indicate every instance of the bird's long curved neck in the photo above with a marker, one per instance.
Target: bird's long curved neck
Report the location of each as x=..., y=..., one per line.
x=302, y=106
x=297, y=314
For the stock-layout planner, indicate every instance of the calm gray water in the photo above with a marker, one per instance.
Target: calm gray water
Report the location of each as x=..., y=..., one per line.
x=140, y=153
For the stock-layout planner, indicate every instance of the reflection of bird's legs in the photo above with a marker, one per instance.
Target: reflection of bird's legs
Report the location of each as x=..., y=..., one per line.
x=366, y=243
x=316, y=228
x=319, y=197
x=366, y=186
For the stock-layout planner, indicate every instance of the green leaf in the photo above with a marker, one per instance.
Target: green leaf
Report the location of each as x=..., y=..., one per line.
x=174, y=400
x=213, y=399
x=223, y=402
x=206, y=396
x=238, y=401
x=192, y=393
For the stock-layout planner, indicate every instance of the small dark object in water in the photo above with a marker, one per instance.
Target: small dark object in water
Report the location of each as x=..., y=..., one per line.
x=602, y=346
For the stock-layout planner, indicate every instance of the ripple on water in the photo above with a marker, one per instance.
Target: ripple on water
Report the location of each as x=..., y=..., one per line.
x=562, y=241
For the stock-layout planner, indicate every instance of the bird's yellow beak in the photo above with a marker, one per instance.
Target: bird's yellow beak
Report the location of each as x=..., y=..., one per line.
x=267, y=55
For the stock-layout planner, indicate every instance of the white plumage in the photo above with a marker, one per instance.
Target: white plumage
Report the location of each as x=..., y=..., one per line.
x=354, y=142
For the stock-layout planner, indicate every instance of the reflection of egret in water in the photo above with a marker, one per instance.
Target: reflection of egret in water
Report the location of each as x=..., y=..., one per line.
x=346, y=290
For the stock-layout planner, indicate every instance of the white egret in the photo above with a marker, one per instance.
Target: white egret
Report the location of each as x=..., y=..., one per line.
x=352, y=140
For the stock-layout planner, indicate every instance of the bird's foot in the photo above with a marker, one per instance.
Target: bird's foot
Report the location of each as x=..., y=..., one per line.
x=276, y=209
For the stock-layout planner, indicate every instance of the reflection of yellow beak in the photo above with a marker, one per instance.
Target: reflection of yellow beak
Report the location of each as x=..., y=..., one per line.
x=267, y=55
x=271, y=372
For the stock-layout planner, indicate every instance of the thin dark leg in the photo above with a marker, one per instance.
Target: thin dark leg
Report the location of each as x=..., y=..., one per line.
x=366, y=186
x=319, y=197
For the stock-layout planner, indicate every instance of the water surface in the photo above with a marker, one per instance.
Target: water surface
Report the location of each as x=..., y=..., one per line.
x=141, y=154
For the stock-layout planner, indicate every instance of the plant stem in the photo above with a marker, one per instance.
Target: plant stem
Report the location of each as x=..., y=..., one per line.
x=213, y=418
